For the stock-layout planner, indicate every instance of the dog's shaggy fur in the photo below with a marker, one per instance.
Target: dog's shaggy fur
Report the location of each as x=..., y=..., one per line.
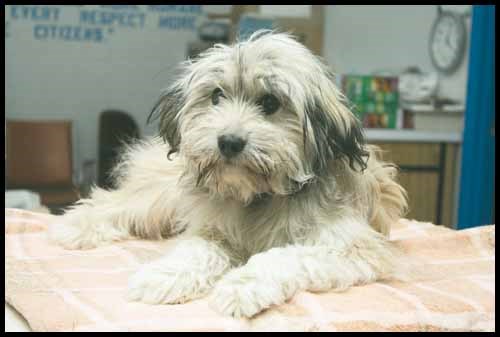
x=306, y=205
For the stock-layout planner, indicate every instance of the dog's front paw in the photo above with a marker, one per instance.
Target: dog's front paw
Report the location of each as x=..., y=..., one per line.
x=245, y=293
x=159, y=283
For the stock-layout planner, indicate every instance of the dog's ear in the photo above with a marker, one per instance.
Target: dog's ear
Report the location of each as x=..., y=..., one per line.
x=167, y=110
x=336, y=132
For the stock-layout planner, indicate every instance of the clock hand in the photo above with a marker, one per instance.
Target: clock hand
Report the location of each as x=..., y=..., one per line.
x=448, y=37
x=448, y=43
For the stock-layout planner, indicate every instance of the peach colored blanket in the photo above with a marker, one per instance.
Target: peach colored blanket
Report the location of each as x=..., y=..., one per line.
x=62, y=290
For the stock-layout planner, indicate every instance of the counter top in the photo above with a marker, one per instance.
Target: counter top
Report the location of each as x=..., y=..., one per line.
x=412, y=136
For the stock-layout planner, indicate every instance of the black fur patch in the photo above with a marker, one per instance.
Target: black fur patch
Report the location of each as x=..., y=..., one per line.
x=329, y=142
x=167, y=109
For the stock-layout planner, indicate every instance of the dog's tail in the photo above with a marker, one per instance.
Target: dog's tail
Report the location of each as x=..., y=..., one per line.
x=389, y=199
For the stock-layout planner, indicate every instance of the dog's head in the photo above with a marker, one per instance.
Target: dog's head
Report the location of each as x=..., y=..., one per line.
x=261, y=116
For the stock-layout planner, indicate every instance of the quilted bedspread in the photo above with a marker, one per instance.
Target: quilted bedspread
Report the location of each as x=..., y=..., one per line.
x=64, y=290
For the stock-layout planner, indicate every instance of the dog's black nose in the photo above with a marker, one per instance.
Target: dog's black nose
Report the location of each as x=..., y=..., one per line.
x=230, y=145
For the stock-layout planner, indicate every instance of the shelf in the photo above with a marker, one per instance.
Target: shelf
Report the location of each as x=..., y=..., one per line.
x=412, y=136
x=431, y=110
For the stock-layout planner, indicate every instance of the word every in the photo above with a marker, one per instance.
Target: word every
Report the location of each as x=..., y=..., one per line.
x=35, y=13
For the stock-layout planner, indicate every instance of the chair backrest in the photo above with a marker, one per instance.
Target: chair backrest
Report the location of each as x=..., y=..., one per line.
x=39, y=153
x=115, y=128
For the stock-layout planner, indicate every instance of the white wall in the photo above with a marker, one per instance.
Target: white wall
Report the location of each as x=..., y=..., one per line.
x=53, y=77
x=370, y=38
x=57, y=78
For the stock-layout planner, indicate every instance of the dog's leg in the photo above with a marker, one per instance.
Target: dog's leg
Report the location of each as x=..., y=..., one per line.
x=189, y=271
x=84, y=227
x=272, y=277
x=143, y=205
x=116, y=215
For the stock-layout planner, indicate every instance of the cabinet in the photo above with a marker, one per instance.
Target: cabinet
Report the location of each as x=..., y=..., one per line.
x=427, y=171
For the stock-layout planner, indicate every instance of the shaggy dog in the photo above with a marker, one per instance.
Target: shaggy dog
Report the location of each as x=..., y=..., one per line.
x=261, y=174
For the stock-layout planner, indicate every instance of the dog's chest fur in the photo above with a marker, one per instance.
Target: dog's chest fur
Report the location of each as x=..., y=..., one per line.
x=270, y=221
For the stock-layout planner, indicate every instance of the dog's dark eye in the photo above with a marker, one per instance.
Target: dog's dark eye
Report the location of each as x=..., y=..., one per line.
x=269, y=104
x=216, y=94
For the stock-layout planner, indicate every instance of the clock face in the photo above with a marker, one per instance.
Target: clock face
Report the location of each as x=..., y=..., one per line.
x=447, y=42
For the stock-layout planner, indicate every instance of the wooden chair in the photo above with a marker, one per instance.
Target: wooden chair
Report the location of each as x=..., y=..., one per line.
x=39, y=157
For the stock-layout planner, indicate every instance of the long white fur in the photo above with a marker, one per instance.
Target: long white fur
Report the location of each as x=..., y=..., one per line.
x=255, y=230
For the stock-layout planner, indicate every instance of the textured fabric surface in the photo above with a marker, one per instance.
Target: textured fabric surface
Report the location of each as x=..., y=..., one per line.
x=14, y=322
x=62, y=290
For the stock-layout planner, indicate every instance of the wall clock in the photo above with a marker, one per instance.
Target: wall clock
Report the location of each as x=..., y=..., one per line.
x=447, y=41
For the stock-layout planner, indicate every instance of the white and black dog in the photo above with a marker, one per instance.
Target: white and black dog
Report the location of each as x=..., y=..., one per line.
x=261, y=174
